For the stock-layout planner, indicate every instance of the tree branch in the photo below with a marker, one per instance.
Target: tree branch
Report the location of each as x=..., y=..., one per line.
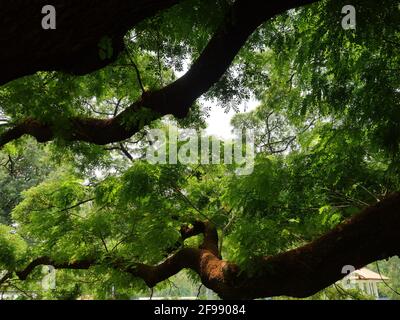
x=74, y=46
x=176, y=99
x=369, y=236
x=47, y=261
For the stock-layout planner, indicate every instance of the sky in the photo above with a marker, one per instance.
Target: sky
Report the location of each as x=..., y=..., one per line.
x=219, y=122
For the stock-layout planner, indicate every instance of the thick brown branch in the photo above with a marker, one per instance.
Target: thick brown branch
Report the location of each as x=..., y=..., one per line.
x=96, y=131
x=369, y=236
x=176, y=99
x=242, y=20
x=210, y=241
x=74, y=45
x=79, y=265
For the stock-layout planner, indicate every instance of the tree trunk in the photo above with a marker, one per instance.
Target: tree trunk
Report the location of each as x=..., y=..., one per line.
x=369, y=236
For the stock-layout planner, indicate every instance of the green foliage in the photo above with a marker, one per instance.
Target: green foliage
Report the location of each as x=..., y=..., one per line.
x=12, y=248
x=22, y=165
x=327, y=142
x=390, y=289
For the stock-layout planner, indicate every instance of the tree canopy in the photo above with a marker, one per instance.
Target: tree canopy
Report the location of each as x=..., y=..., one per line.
x=77, y=191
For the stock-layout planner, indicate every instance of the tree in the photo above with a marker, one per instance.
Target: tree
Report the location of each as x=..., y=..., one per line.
x=324, y=189
x=21, y=168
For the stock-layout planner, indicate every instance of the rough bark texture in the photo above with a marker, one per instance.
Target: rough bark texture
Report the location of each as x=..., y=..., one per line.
x=369, y=236
x=241, y=21
x=74, y=45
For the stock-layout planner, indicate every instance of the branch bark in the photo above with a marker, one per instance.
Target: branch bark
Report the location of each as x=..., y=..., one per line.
x=74, y=45
x=47, y=261
x=369, y=236
x=177, y=98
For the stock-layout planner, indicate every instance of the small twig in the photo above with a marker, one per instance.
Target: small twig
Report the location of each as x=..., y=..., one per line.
x=123, y=150
x=117, y=105
x=224, y=231
x=78, y=204
x=199, y=291
x=93, y=109
x=21, y=290
x=172, y=284
x=159, y=60
x=126, y=152
x=343, y=292
x=139, y=78
x=104, y=242
x=191, y=203
x=384, y=281
x=369, y=192
x=118, y=244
